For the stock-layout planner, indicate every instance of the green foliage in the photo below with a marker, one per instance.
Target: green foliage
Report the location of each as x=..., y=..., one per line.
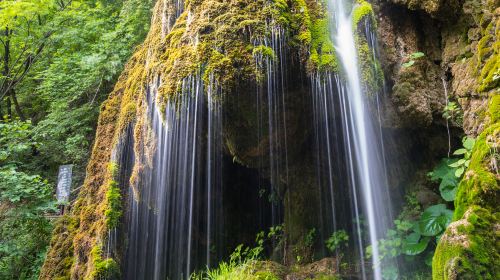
x=78, y=71
x=412, y=238
x=24, y=200
x=337, y=240
x=412, y=59
x=466, y=152
x=417, y=231
x=449, y=171
x=60, y=59
x=445, y=175
x=310, y=237
x=453, y=112
x=15, y=141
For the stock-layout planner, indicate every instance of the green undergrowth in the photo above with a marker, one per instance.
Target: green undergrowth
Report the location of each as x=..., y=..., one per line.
x=411, y=242
x=246, y=262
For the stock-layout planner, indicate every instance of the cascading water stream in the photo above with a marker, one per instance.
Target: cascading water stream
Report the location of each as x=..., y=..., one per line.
x=172, y=220
x=343, y=112
x=271, y=102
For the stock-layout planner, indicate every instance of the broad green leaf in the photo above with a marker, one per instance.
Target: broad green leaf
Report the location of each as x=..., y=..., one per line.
x=459, y=172
x=434, y=220
x=414, y=244
x=448, y=188
x=469, y=143
x=442, y=170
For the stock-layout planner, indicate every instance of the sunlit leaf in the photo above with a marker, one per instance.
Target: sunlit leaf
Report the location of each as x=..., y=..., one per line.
x=460, y=152
x=417, y=55
x=469, y=143
x=459, y=172
x=408, y=64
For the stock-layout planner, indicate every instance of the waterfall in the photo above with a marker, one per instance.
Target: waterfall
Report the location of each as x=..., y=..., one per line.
x=172, y=218
x=271, y=111
x=349, y=140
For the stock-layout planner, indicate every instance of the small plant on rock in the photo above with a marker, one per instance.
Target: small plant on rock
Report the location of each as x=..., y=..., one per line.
x=412, y=59
x=337, y=240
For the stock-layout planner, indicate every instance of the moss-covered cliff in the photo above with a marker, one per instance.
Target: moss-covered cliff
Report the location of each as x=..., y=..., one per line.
x=218, y=41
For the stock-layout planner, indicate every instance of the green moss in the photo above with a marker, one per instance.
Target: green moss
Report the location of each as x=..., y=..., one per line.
x=372, y=74
x=494, y=109
x=480, y=185
x=362, y=10
x=468, y=249
x=489, y=77
x=113, y=210
x=113, y=213
x=103, y=268
x=487, y=60
x=323, y=56
x=264, y=52
x=60, y=255
x=326, y=277
x=266, y=275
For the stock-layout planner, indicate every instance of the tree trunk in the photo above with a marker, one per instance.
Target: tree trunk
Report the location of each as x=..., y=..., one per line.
x=16, y=105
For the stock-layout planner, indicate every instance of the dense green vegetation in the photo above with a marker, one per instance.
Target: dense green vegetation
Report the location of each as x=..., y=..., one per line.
x=417, y=231
x=58, y=59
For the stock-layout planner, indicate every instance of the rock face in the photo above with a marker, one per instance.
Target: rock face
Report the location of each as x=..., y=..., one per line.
x=417, y=91
x=435, y=8
x=460, y=41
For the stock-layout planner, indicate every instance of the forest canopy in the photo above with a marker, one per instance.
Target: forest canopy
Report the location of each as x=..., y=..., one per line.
x=58, y=61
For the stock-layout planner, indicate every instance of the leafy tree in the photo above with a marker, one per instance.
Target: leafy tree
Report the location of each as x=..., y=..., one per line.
x=58, y=61
x=24, y=199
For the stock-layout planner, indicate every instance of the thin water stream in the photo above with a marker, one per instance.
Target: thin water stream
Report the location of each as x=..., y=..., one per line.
x=344, y=97
x=169, y=235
